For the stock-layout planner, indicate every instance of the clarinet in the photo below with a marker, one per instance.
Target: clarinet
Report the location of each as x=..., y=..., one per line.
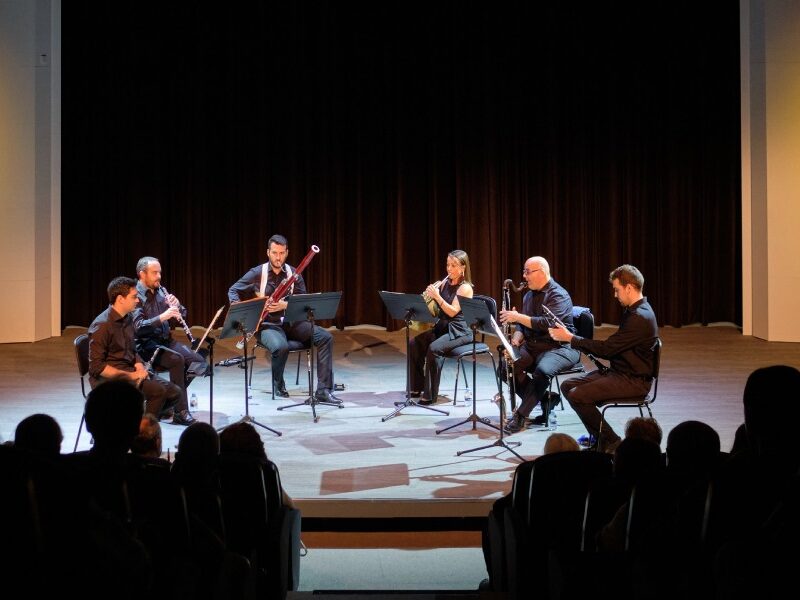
x=553, y=320
x=183, y=324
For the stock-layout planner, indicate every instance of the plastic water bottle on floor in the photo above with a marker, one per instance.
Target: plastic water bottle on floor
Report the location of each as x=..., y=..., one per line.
x=193, y=400
x=468, y=400
x=552, y=420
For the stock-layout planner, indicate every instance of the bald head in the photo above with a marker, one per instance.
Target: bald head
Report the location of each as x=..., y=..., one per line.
x=536, y=273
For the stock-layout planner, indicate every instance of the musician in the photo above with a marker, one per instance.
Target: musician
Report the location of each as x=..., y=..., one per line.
x=112, y=354
x=540, y=355
x=449, y=332
x=261, y=281
x=152, y=322
x=630, y=351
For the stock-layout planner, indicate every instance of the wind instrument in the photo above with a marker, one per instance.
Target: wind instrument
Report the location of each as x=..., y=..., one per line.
x=279, y=292
x=183, y=324
x=433, y=307
x=507, y=359
x=554, y=321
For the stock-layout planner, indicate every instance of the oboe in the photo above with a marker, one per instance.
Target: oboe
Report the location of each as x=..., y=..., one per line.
x=183, y=324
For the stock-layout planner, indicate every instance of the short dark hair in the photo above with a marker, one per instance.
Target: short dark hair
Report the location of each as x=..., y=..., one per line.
x=277, y=239
x=628, y=275
x=144, y=262
x=113, y=411
x=119, y=286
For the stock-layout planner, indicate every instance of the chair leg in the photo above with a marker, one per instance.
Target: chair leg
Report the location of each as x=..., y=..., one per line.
x=80, y=428
x=297, y=377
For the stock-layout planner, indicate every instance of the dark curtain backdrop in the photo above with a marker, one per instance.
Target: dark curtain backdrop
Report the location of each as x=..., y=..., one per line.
x=592, y=135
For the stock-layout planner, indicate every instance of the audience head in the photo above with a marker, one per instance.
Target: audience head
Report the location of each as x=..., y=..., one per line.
x=693, y=448
x=636, y=459
x=772, y=410
x=39, y=434
x=113, y=412
x=560, y=442
x=198, y=441
x=148, y=442
x=644, y=428
x=740, y=440
x=242, y=438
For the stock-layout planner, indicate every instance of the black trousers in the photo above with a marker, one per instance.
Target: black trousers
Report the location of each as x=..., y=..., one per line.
x=542, y=361
x=276, y=338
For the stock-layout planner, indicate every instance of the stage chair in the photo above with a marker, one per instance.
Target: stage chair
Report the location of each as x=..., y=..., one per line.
x=643, y=402
x=465, y=350
x=81, y=344
x=294, y=348
x=583, y=320
x=547, y=519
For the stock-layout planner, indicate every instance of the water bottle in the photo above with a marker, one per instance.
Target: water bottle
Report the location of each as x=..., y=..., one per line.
x=552, y=421
x=193, y=401
x=468, y=400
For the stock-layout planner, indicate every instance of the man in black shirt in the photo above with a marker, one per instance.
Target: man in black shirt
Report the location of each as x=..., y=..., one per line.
x=540, y=354
x=630, y=351
x=112, y=354
x=151, y=322
x=261, y=281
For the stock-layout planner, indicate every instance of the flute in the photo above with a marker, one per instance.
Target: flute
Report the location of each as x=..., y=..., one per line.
x=183, y=324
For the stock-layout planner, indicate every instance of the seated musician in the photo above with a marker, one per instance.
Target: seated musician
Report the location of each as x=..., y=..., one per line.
x=112, y=354
x=451, y=329
x=261, y=281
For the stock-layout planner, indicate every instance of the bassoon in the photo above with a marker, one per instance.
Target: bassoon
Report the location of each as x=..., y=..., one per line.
x=279, y=292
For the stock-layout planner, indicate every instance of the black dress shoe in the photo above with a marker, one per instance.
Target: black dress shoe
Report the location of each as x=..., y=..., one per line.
x=516, y=424
x=166, y=414
x=326, y=396
x=280, y=391
x=538, y=420
x=183, y=418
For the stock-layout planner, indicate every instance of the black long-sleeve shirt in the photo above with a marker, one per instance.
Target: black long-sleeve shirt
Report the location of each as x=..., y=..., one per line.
x=150, y=331
x=554, y=297
x=111, y=343
x=249, y=286
x=630, y=349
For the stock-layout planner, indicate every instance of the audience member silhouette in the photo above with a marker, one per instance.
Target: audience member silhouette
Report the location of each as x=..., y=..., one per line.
x=644, y=428
x=242, y=438
x=560, y=442
x=39, y=434
x=148, y=442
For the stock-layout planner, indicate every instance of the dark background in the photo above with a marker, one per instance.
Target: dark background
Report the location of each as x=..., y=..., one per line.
x=592, y=135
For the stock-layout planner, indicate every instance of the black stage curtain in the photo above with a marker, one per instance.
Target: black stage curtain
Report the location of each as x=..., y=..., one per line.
x=592, y=135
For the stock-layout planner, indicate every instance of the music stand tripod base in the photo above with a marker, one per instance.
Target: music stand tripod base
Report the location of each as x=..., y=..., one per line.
x=244, y=317
x=407, y=308
x=308, y=307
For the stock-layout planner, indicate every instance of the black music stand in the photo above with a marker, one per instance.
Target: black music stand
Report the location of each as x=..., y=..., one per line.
x=308, y=307
x=243, y=317
x=408, y=307
x=477, y=316
x=210, y=340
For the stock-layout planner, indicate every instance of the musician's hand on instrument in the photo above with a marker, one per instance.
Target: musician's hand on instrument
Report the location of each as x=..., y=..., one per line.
x=509, y=316
x=517, y=339
x=140, y=374
x=433, y=291
x=173, y=301
x=277, y=306
x=170, y=313
x=560, y=333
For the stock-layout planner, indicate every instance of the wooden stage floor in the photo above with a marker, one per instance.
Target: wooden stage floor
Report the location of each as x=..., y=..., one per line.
x=351, y=463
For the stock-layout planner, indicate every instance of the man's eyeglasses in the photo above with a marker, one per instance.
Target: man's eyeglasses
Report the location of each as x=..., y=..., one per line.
x=527, y=272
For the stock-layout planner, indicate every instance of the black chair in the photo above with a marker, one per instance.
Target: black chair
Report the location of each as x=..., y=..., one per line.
x=81, y=344
x=583, y=319
x=642, y=402
x=465, y=350
x=294, y=348
x=547, y=514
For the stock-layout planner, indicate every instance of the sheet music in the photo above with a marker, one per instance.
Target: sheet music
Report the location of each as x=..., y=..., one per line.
x=512, y=351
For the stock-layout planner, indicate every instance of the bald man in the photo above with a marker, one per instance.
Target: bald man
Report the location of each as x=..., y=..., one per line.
x=541, y=355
